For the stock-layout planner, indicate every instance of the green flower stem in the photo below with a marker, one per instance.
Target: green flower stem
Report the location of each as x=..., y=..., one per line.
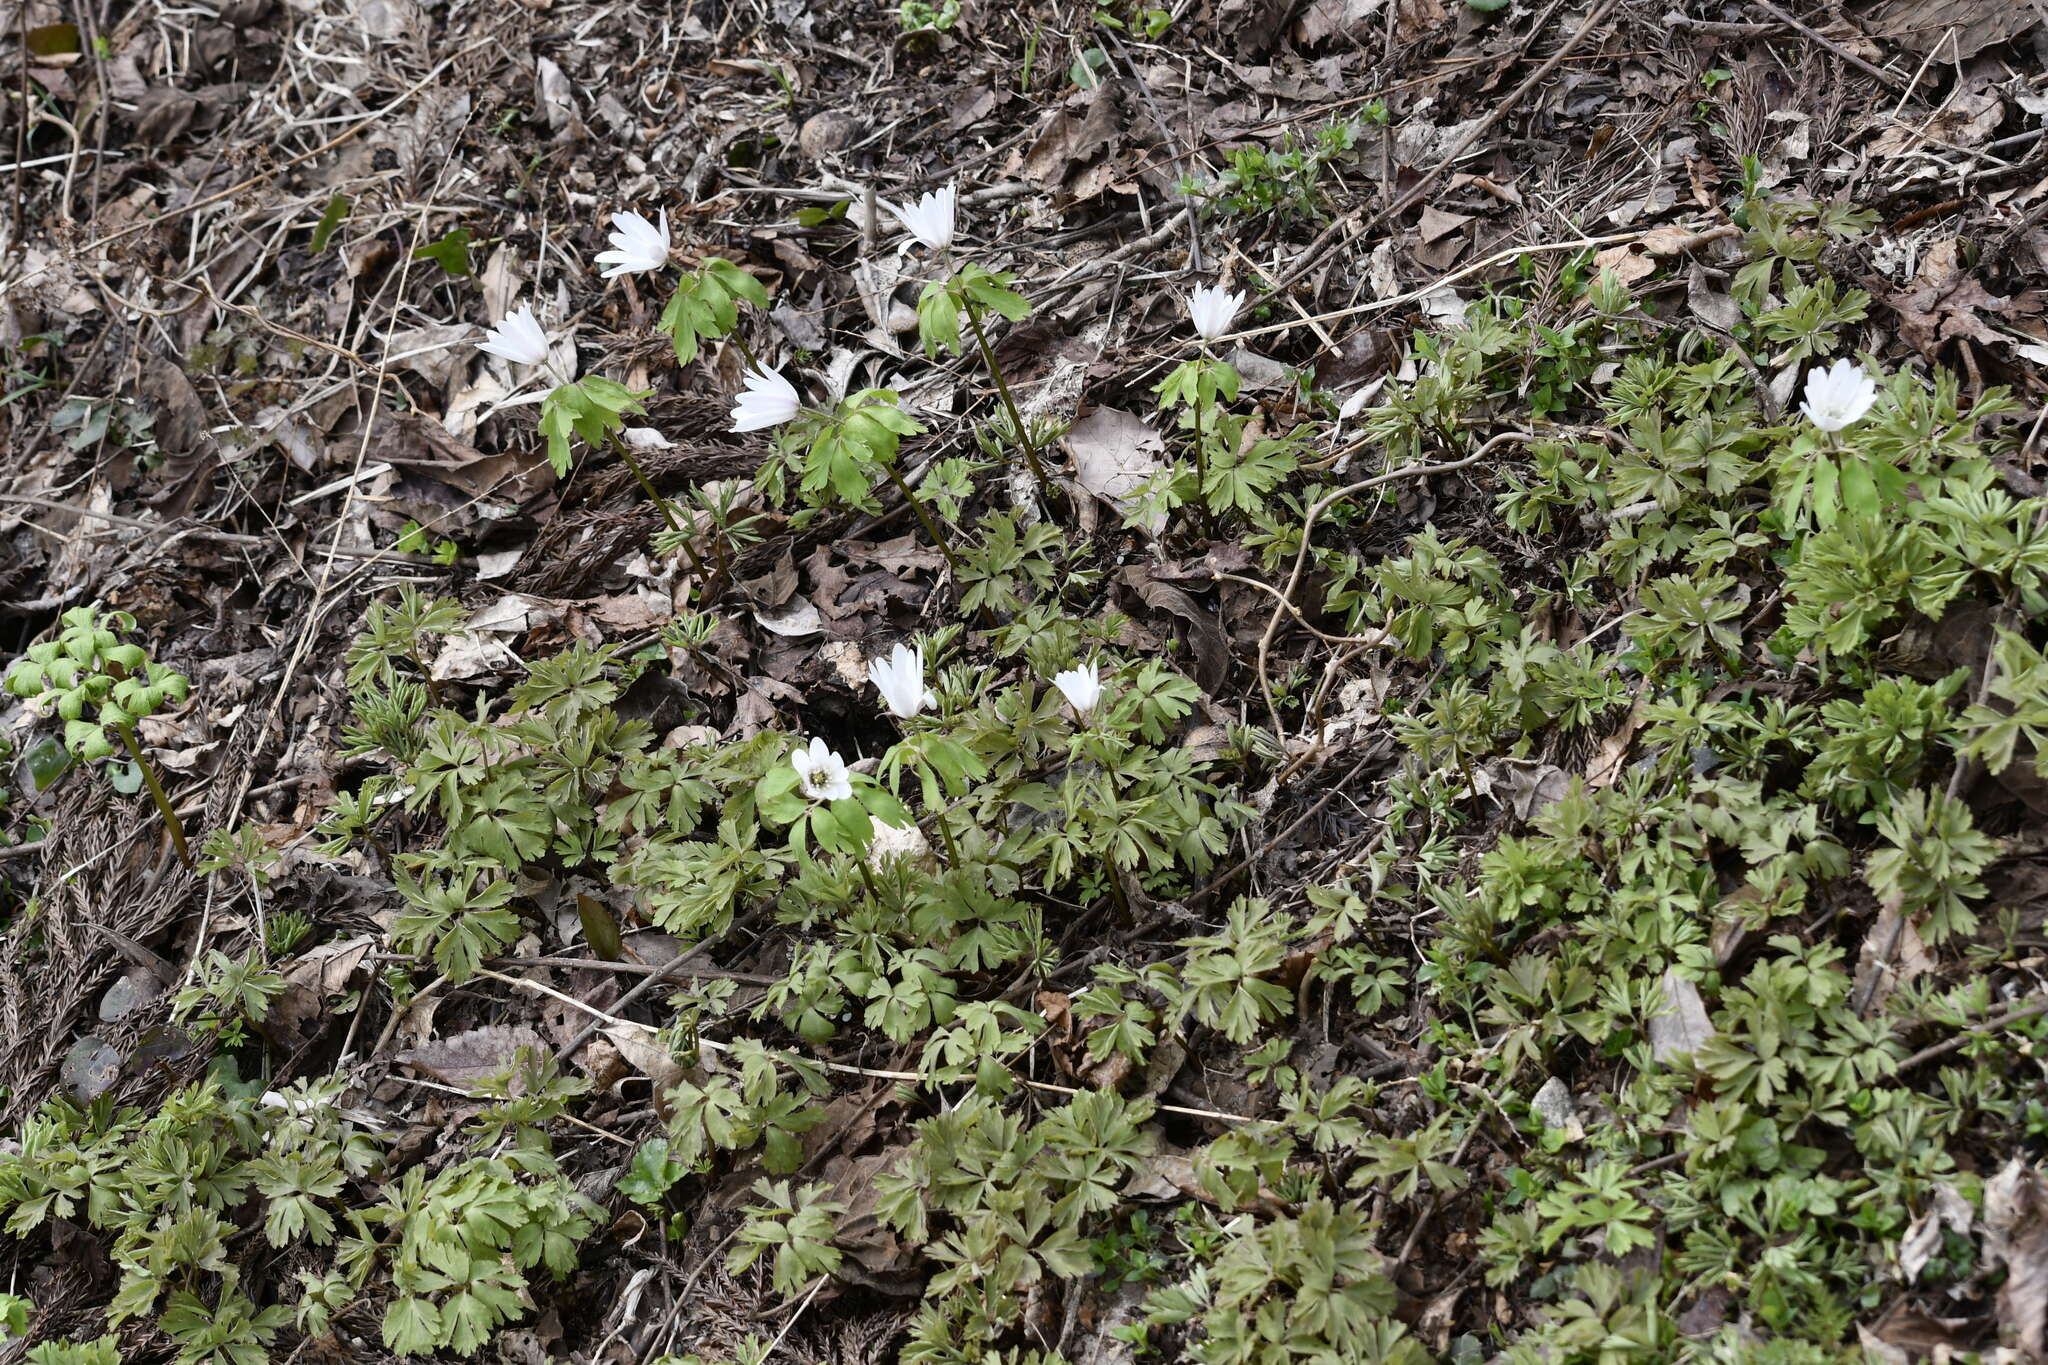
x=867, y=879
x=156, y=792
x=988, y=358
x=746, y=351
x=931, y=527
x=660, y=503
x=938, y=818
x=1201, y=455
x=946, y=837
x=625, y=453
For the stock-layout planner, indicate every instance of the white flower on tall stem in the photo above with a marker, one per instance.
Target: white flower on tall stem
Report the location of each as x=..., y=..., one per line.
x=765, y=400
x=930, y=219
x=900, y=680
x=1838, y=396
x=1213, y=309
x=518, y=337
x=821, y=773
x=637, y=245
x=1082, y=687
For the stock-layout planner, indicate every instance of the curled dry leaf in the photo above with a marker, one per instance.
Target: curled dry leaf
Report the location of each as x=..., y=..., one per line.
x=1947, y=1211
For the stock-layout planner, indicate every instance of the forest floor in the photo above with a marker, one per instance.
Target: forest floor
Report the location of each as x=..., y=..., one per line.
x=1555, y=870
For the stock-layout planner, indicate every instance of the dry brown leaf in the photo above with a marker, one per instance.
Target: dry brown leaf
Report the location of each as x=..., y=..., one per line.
x=1959, y=29
x=1205, y=636
x=1944, y=301
x=1164, y=1175
x=1330, y=18
x=772, y=589
x=2016, y=1235
x=1114, y=453
x=328, y=969
x=1966, y=120
x=1071, y=141
x=904, y=555
x=876, y=1256
x=181, y=421
x=1682, y=1026
x=1531, y=786
x=1627, y=263
x=1893, y=954
x=1437, y=224
x=1948, y=1211
x=637, y=1048
x=557, y=98
x=1717, y=310
x=1603, y=769
x=463, y=1059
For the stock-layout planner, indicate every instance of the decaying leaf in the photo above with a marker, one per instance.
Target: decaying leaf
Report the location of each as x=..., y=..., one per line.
x=1949, y=1211
x=462, y=1059
x=1682, y=1026
x=2016, y=1236
x=1956, y=29
x=1205, y=636
x=1945, y=302
x=1114, y=453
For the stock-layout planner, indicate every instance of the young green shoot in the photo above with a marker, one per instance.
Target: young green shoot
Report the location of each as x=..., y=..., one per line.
x=98, y=686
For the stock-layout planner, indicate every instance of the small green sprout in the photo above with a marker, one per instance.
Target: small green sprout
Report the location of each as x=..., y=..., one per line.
x=101, y=688
x=919, y=16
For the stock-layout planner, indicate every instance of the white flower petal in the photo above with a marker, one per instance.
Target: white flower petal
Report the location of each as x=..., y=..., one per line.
x=637, y=245
x=518, y=337
x=1213, y=309
x=1838, y=396
x=930, y=219
x=821, y=774
x=900, y=680
x=1082, y=687
x=765, y=400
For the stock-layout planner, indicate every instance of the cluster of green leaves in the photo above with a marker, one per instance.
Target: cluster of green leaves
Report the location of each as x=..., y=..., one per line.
x=447, y=1255
x=706, y=303
x=594, y=409
x=1289, y=182
x=1677, y=863
x=457, y=1247
x=971, y=291
x=1778, y=763
x=93, y=681
x=124, y=422
x=841, y=455
x=920, y=16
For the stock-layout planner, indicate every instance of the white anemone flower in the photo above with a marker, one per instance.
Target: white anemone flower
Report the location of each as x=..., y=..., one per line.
x=930, y=219
x=1838, y=396
x=637, y=245
x=765, y=400
x=1213, y=309
x=1082, y=687
x=900, y=680
x=518, y=337
x=821, y=773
